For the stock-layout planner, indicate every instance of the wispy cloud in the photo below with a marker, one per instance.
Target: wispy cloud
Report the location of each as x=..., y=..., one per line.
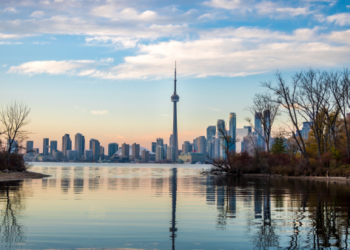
x=11, y=10
x=340, y=19
x=9, y=43
x=99, y=112
x=37, y=14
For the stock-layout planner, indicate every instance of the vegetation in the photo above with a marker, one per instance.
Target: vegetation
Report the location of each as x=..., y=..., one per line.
x=319, y=98
x=13, y=119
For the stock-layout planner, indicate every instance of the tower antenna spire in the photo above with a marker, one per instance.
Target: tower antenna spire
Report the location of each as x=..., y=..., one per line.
x=175, y=79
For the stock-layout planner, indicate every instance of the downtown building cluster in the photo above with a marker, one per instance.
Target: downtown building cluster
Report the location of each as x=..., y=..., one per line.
x=78, y=151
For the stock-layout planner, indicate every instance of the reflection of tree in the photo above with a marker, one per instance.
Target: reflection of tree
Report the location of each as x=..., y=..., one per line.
x=11, y=230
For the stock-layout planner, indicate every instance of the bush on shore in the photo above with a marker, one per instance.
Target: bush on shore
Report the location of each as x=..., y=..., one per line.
x=16, y=164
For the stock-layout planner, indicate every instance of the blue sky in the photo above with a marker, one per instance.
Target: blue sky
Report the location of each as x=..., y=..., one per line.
x=104, y=68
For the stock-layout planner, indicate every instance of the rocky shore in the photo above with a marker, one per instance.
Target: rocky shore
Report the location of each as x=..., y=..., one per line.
x=16, y=176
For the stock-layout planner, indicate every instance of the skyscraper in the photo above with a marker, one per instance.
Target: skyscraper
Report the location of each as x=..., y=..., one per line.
x=136, y=151
x=79, y=144
x=211, y=130
x=46, y=146
x=202, y=145
x=53, y=147
x=154, y=146
x=160, y=142
x=30, y=147
x=220, y=132
x=171, y=140
x=186, y=147
x=125, y=151
x=112, y=149
x=232, y=129
x=102, y=152
x=95, y=144
x=258, y=130
x=175, y=98
x=66, y=144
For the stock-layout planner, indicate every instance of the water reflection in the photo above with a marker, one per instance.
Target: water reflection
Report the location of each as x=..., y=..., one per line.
x=129, y=208
x=12, y=232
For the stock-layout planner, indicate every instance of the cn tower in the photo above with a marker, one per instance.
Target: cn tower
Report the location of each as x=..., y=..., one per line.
x=175, y=98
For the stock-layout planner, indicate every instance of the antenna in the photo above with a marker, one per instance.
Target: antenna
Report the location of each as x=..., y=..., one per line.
x=175, y=80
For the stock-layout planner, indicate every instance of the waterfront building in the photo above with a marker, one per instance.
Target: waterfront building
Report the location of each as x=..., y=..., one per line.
x=57, y=155
x=88, y=155
x=90, y=143
x=154, y=146
x=171, y=140
x=30, y=148
x=175, y=98
x=135, y=151
x=306, y=130
x=217, y=146
x=112, y=148
x=192, y=157
x=160, y=142
x=66, y=144
x=249, y=128
x=36, y=151
x=126, y=151
x=95, y=149
x=221, y=128
x=53, y=146
x=159, y=153
x=210, y=149
x=202, y=145
x=232, y=129
x=195, y=145
x=259, y=130
x=145, y=156
x=119, y=153
x=267, y=119
x=46, y=146
x=186, y=147
x=171, y=153
x=221, y=131
x=72, y=155
x=102, y=153
x=79, y=144
x=211, y=131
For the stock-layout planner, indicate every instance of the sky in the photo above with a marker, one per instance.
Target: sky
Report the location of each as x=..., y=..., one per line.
x=105, y=68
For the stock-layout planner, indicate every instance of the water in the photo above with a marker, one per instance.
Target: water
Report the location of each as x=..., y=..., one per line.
x=145, y=206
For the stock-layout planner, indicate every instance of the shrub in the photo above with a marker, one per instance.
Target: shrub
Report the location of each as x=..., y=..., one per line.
x=17, y=162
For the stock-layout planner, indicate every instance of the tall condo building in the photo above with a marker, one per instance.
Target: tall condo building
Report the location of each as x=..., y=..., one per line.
x=46, y=146
x=53, y=147
x=171, y=153
x=95, y=149
x=112, y=149
x=186, y=147
x=259, y=130
x=30, y=147
x=249, y=128
x=145, y=156
x=267, y=119
x=90, y=143
x=136, y=151
x=202, y=145
x=232, y=129
x=211, y=130
x=171, y=140
x=175, y=98
x=79, y=145
x=160, y=142
x=220, y=126
x=66, y=144
x=159, y=153
x=125, y=151
x=154, y=146
x=102, y=152
x=221, y=130
x=195, y=144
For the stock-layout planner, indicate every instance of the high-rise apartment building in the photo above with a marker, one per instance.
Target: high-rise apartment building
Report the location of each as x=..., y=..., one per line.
x=154, y=146
x=171, y=140
x=249, y=128
x=46, y=146
x=95, y=149
x=90, y=143
x=53, y=147
x=160, y=142
x=112, y=149
x=125, y=151
x=211, y=130
x=102, y=153
x=171, y=153
x=195, y=145
x=30, y=148
x=135, y=151
x=88, y=155
x=80, y=144
x=66, y=144
x=232, y=129
x=159, y=153
x=221, y=128
x=145, y=156
x=186, y=147
x=259, y=130
x=202, y=145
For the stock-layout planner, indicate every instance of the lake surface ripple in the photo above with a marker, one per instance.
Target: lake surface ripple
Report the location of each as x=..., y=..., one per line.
x=153, y=206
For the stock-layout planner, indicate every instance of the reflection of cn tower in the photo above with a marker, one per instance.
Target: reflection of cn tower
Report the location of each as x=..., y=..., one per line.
x=173, y=229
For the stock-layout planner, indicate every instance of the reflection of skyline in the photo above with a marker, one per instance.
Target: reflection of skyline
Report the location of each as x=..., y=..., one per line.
x=173, y=188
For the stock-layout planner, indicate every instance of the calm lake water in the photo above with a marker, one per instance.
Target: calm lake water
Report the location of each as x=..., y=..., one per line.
x=152, y=206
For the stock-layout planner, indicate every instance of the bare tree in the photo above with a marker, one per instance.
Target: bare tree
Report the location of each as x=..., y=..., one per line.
x=287, y=96
x=266, y=110
x=13, y=118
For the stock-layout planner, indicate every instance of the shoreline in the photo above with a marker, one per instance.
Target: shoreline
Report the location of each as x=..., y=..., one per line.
x=315, y=178
x=19, y=176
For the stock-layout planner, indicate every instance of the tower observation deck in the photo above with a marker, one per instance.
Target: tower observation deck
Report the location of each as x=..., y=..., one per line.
x=175, y=98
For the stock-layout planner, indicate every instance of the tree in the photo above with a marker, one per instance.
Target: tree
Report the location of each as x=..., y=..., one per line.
x=13, y=118
x=265, y=109
x=278, y=146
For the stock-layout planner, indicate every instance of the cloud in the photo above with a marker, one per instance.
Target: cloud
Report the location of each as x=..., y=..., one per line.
x=9, y=43
x=267, y=7
x=228, y=4
x=37, y=14
x=80, y=108
x=40, y=43
x=12, y=36
x=99, y=112
x=11, y=10
x=340, y=19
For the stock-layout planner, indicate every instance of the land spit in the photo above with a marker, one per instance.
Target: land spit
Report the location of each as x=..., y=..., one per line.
x=17, y=176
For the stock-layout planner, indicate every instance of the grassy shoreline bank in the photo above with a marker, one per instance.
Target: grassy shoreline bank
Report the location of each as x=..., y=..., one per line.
x=16, y=176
